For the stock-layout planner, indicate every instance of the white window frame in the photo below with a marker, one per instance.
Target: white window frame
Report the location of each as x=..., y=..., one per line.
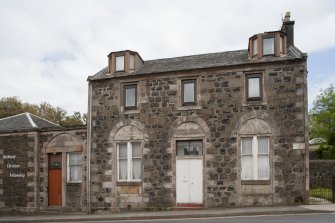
x=129, y=162
x=255, y=155
x=68, y=167
x=119, y=60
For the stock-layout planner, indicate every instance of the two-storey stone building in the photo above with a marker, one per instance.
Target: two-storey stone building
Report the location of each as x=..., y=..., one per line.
x=219, y=129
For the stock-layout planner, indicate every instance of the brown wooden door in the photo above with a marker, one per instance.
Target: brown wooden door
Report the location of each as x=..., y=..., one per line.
x=55, y=180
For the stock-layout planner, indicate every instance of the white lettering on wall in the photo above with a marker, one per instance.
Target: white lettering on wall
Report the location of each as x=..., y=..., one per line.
x=12, y=158
x=17, y=175
x=13, y=166
x=9, y=157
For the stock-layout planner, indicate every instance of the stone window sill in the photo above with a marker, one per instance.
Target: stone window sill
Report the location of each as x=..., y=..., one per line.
x=128, y=183
x=191, y=107
x=127, y=112
x=74, y=183
x=248, y=103
x=255, y=182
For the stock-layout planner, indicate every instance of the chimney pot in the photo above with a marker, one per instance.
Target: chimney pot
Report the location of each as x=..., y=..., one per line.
x=287, y=16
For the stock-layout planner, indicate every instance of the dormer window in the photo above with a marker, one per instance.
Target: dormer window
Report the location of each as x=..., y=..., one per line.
x=124, y=62
x=119, y=63
x=268, y=45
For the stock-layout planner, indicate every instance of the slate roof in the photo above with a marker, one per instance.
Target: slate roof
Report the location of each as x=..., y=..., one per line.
x=25, y=121
x=210, y=60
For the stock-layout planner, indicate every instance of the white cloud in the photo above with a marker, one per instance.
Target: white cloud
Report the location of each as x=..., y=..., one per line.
x=48, y=48
x=315, y=87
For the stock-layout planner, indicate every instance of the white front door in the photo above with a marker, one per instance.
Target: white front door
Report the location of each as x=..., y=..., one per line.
x=189, y=181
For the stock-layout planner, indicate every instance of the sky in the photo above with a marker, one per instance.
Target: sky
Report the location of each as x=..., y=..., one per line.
x=48, y=48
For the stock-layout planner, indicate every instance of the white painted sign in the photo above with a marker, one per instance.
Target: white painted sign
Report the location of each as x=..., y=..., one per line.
x=298, y=145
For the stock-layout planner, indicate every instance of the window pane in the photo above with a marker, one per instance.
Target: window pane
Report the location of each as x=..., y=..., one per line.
x=136, y=147
x=130, y=97
x=189, y=92
x=75, y=159
x=247, y=167
x=247, y=146
x=136, y=168
x=122, y=151
x=119, y=63
x=263, y=167
x=75, y=173
x=254, y=47
x=263, y=147
x=195, y=148
x=132, y=62
x=122, y=169
x=253, y=87
x=268, y=46
x=183, y=148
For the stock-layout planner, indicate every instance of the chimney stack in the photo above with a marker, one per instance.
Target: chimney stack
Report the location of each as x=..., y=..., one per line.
x=288, y=28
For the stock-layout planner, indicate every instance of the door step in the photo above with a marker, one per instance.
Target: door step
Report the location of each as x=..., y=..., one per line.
x=189, y=206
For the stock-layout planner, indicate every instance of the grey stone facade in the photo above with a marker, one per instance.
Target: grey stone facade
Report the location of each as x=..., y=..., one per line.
x=221, y=113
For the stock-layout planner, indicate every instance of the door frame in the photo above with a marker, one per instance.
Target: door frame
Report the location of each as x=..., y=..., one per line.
x=63, y=178
x=174, y=146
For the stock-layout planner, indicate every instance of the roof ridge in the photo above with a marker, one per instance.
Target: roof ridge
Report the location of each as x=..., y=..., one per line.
x=44, y=119
x=12, y=116
x=192, y=55
x=33, y=124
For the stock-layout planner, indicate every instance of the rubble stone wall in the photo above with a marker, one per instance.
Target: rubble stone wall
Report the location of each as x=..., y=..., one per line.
x=221, y=110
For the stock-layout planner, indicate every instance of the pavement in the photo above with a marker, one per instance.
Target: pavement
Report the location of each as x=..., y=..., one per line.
x=175, y=214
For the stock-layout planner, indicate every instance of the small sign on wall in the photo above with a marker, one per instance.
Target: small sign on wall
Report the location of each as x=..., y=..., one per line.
x=298, y=145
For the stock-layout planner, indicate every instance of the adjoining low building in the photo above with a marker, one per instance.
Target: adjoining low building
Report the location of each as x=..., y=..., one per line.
x=212, y=130
x=42, y=165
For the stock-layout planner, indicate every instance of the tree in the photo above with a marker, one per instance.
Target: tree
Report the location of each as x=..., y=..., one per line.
x=10, y=106
x=322, y=116
x=75, y=119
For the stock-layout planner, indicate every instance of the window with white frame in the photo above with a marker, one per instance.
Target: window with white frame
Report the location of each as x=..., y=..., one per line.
x=129, y=161
x=255, y=158
x=74, y=167
x=119, y=63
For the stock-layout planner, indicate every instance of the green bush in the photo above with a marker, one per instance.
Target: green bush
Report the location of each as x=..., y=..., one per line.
x=325, y=152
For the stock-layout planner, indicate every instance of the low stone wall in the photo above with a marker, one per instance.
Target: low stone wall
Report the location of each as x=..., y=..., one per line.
x=321, y=167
